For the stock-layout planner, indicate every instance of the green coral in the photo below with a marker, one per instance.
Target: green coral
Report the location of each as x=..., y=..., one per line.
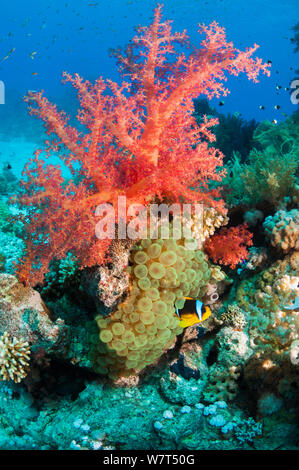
x=2, y=262
x=270, y=173
x=6, y=223
x=5, y=214
x=64, y=274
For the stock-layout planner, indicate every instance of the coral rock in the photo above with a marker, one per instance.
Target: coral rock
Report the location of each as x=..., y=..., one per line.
x=25, y=317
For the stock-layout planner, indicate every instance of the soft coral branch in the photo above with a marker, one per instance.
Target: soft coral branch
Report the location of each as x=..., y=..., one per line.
x=229, y=246
x=138, y=139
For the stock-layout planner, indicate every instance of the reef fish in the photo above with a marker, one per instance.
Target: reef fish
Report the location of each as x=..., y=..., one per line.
x=194, y=311
x=294, y=306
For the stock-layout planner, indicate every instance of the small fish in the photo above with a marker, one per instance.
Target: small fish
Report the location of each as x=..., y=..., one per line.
x=295, y=305
x=9, y=53
x=193, y=312
x=274, y=121
x=221, y=103
x=33, y=54
x=34, y=73
x=278, y=87
x=269, y=61
x=262, y=107
x=277, y=106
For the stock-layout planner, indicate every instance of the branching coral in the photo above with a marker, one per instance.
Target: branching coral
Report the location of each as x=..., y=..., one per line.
x=204, y=228
x=233, y=133
x=228, y=247
x=14, y=358
x=272, y=327
x=141, y=141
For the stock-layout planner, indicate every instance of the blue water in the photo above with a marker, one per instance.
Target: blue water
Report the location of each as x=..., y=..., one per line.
x=49, y=37
x=76, y=36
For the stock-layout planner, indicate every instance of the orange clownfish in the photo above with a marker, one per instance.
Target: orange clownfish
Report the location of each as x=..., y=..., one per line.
x=194, y=311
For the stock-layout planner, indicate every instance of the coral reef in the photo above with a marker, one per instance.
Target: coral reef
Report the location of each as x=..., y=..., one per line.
x=270, y=174
x=25, y=318
x=92, y=354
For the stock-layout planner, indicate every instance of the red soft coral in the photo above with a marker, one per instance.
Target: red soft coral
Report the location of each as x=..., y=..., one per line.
x=228, y=247
x=138, y=139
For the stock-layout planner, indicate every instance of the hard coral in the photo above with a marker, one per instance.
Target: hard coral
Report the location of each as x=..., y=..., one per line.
x=283, y=230
x=228, y=247
x=14, y=358
x=233, y=316
x=141, y=141
x=222, y=384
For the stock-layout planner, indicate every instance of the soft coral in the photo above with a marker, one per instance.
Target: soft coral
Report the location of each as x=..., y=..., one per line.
x=141, y=141
x=228, y=247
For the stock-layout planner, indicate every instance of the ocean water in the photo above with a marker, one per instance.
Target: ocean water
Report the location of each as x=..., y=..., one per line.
x=227, y=377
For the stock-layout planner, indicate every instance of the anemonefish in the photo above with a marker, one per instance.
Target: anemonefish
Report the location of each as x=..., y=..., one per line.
x=194, y=311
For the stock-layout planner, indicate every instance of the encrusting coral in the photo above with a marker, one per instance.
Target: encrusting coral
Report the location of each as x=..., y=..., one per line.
x=14, y=358
x=222, y=383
